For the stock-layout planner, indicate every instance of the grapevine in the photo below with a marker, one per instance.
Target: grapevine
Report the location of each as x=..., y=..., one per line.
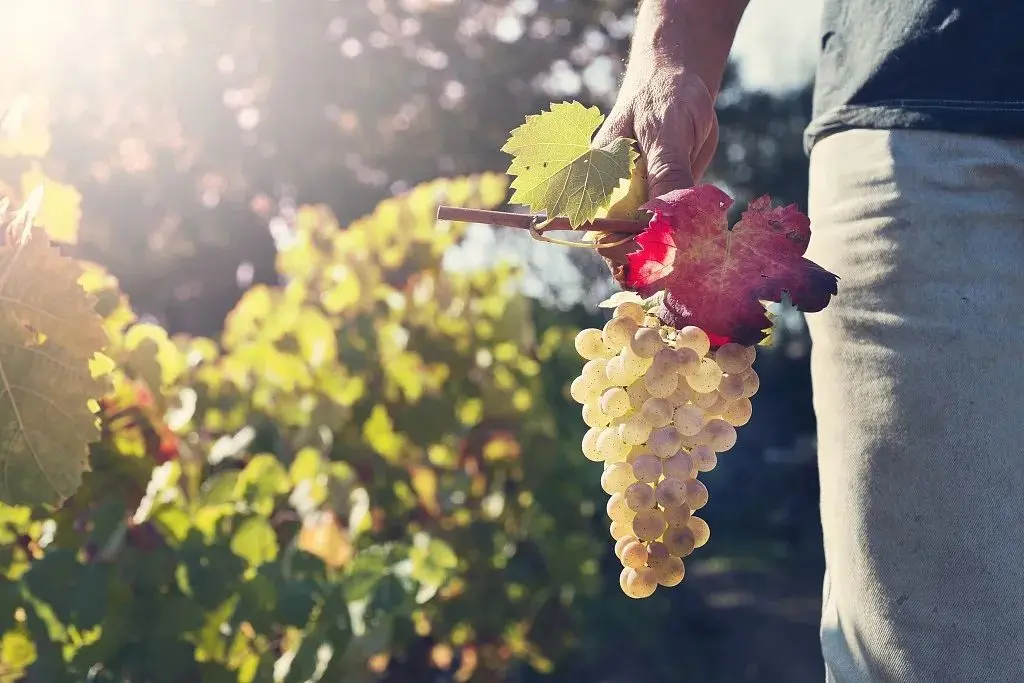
x=669, y=378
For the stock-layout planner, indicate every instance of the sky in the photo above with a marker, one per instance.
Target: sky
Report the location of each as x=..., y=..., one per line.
x=776, y=43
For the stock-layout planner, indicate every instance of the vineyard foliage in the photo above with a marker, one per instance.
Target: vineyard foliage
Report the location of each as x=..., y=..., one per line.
x=359, y=480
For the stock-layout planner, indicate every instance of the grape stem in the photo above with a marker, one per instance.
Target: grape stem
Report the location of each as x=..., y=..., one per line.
x=535, y=223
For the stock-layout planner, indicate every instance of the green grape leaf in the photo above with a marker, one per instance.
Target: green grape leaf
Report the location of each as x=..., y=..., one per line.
x=49, y=331
x=556, y=169
x=255, y=541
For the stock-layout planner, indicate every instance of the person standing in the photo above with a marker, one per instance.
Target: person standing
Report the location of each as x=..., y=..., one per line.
x=916, y=148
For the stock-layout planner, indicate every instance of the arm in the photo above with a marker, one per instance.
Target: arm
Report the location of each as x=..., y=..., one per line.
x=694, y=34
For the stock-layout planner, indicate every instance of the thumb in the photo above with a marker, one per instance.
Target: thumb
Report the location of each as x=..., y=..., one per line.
x=617, y=125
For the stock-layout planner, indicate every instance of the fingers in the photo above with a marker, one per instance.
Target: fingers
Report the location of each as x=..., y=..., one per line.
x=706, y=152
x=615, y=256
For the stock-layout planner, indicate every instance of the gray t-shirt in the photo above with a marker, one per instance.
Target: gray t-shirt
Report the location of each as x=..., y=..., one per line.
x=951, y=65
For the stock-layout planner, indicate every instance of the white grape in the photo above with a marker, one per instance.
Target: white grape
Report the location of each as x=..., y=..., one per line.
x=616, y=478
x=590, y=448
x=619, y=528
x=615, y=456
x=688, y=361
x=701, y=531
x=688, y=420
x=666, y=361
x=615, y=402
x=677, y=517
x=734, y=358
x=590, y=345
x=633, y=364
x=610, y=446
x=640, y=583
x=647, y=468
x=704, y=400
x=696, y=494
x=704, y=458
x=621, y=544
x=649, y=524
x=664, y=441
x=738, y=412
x=721, y=435
x=635, y=429
x=661, y=384
x=594, y=370
x=615, y=372
x=751, y=383
x=682, y=393
x=658, y=411
x=618, y=331
x=651, y=321
x=716, y=408
x=670, y=493
x=731, y=387
x=694, y=338
x=657, y=555
x=589, y=386
x=639, y=496
x=631, y=310
x=593, y=416
x=636, y=452
x=624, y=577
x=707, y=378
x=646, y=342
x=680, y=466
x=634, y=555
x=672, y=572
x=638, y=394
x=577, y=391
x=690, y=441
x=617, y=509
x=679, y=541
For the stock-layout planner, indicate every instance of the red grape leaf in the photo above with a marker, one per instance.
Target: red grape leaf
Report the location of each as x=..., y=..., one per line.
x=714, y=276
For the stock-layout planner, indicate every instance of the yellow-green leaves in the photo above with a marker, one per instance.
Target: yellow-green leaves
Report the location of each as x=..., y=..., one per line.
x=49, y=332
x=556, y=169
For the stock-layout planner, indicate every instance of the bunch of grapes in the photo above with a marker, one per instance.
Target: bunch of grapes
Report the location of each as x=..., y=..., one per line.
x=661, y=406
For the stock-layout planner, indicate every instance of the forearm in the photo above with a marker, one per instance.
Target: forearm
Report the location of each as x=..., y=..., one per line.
x=693, y=34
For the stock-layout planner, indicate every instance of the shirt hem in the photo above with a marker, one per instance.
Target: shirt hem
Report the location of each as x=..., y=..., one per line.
x=993, y=119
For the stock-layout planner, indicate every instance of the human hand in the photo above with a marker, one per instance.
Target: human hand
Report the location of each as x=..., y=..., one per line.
x=670, y=112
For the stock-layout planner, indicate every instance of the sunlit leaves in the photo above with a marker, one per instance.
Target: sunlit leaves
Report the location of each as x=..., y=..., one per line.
x=255, y=541
x=379, y=432
x=323, y=535
x=349, y=451
x=61, y=210
x=558, y=172
x=48, y=334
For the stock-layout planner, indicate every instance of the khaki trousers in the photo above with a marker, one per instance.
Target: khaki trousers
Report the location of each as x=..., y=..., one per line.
x=918, y=373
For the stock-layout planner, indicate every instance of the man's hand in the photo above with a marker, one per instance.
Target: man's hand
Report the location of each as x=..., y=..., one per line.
x=667, y=99
x=671, y=115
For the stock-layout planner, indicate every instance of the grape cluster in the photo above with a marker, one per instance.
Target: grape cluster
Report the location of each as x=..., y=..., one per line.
x=661, y=406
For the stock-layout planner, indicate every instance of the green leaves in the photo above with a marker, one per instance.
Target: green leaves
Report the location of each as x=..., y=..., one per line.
x=48, y=334
x=352, y=461
x=255, y=541
x=556, y=169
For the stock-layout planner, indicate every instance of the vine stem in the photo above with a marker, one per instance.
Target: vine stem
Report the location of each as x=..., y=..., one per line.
x=535, y=222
